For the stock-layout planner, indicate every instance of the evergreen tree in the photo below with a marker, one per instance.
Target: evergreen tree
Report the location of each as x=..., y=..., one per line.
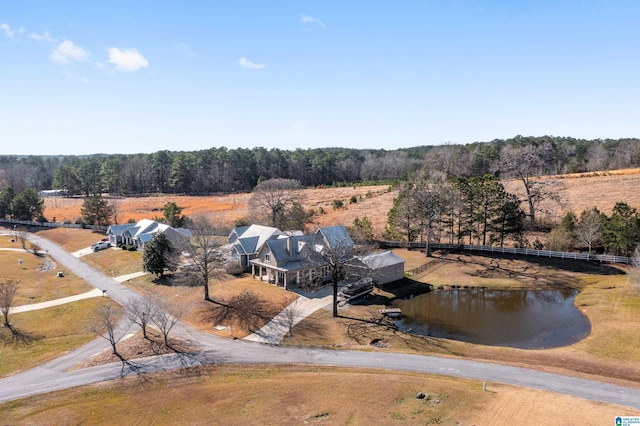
x=172, y=217
x=27, y=205
x=6, y=196
x=96, y=211
x=159, y=255
x=621, y=230
x=400, y=219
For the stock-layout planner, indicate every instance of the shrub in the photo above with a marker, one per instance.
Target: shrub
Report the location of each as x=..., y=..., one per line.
x=234, y=268
x=321, y=210
x=337, y=204
x=353, y=199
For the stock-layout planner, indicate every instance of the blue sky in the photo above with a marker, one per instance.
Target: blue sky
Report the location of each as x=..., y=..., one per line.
x=80, y=77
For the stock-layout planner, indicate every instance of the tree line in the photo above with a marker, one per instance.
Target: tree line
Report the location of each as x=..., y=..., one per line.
x=217, y=170
x=461, y=210
x=593, y=231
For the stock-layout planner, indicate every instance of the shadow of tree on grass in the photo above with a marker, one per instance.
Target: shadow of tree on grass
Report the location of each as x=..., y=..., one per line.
x=12, y=336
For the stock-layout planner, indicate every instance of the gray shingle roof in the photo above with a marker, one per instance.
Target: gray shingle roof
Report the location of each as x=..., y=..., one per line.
x=336, y=236
x=380, y=260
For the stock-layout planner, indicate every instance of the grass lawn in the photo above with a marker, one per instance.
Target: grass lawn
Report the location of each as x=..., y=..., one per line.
x=205, y=315
x=258, y=395
x=47, y=334
x=114, y=261
x=37, y=277
x=70, y=238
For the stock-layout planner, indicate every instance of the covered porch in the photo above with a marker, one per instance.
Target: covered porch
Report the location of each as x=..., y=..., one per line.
x=279, y=276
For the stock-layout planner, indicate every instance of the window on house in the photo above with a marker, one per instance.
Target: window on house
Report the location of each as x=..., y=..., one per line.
x=267, y=257
x=325, y=271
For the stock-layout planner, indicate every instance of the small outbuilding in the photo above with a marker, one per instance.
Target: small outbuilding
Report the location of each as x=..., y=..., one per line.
x=385, y=266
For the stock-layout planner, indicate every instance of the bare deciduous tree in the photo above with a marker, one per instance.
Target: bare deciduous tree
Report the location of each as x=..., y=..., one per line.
x=524, y=163
x=204, y=252
x=274, y=197
x=23, y=238
x=292, y=315
x=8, y=290
x=106, y=325
x=115, y=210
x=589, y=228
x=141, y=311
x=166, y=315
x=332, y=259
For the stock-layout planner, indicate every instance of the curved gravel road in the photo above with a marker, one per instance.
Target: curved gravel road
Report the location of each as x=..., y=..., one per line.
x=54, y=375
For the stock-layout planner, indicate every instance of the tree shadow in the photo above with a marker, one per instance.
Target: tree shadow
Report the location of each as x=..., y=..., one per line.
x=307, y=328
x=375, y=327
x=569, y=265
x=12, y=336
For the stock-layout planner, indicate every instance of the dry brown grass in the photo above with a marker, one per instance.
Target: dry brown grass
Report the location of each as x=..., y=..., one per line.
x=373, y=201
x=257, y=395
x=202, y=314
x=582, y=191
x=577, y=192
x=135, y=347
x=70, y=238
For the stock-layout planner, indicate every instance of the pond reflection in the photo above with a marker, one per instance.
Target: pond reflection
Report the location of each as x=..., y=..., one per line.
x=527, y=319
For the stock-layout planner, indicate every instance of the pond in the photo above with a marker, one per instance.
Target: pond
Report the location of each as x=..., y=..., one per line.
x=526, y=319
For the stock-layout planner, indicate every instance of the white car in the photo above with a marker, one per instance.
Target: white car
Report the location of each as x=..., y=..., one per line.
x=100, y=245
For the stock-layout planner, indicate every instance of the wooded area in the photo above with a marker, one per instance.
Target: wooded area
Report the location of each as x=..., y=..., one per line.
x=217, y=170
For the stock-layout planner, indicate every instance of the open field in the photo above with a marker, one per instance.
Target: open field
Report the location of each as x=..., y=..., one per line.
x=576, y=191
x=46, y=334
x=373, y=201
x=257, y=395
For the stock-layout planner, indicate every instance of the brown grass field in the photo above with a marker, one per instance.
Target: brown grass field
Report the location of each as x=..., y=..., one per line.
x=577, y=192
x=259, y=395
x=205, y=315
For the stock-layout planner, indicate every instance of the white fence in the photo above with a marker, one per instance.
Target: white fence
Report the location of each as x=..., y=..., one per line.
x=11, y=222
x=605, y=258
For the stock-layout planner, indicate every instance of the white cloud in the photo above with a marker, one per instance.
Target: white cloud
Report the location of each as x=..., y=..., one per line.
x=306, y=19
x=44, y=36
x=247, y=64
x=67, y=52
x=6, y=29
x=127, y=60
